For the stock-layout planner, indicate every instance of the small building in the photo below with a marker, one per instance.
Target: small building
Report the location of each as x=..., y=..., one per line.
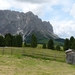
x=70, y=56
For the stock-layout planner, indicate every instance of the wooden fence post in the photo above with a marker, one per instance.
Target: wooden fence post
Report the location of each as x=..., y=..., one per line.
x=54, y=56
x=3, y=51
x=11, y=51
x=23, y=51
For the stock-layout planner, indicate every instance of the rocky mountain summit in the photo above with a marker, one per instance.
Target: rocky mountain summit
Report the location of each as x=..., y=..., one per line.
x=26, y=24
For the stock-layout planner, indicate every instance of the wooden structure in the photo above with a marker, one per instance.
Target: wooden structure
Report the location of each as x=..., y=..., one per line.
x=70, y=56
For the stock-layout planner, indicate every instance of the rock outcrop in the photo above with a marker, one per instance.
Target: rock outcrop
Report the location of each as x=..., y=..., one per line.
x=26, y=24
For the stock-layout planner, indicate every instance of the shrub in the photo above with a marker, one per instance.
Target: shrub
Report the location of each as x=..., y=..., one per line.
x=58, y=47
x=44, y=46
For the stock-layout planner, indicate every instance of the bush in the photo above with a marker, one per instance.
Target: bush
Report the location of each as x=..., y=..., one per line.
x=44, y=46
x=58, y=47
x=27, y=45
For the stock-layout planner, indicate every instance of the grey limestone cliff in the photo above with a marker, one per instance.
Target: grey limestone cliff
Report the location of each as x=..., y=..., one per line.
x=26, y=24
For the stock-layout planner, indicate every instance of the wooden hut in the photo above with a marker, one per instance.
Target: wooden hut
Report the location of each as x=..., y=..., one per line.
x=70, y=56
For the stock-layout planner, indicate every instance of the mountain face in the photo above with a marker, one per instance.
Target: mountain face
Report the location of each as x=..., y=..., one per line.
x=26, y=24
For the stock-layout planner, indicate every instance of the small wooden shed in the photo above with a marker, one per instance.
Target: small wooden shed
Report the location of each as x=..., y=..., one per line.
x=70, y=56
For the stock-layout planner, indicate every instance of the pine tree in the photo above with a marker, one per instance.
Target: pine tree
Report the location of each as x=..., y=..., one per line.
x=50, y=44
x=66, y=44
x=33, y=41
x=8, y=39
x=14, y=41
x=2, y=41
x=19, y=40
x=71, y=42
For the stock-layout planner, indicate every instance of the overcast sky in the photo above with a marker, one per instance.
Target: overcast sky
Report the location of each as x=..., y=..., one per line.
x=60, y=13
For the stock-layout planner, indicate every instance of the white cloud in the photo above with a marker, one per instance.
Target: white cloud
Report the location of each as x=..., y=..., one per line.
x=64, y=29
x=72, y=11
x=21, y=6
x=39, y=1
x=4, y=4
x=36, y=6
x=33, y=1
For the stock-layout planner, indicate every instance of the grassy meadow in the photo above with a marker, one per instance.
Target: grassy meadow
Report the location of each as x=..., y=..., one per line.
x=34, y=53
x=33, y=61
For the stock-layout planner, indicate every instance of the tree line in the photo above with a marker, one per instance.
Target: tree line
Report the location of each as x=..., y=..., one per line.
x=11, y=40
x=69, y=43
x=49, y=45
x=17, y=41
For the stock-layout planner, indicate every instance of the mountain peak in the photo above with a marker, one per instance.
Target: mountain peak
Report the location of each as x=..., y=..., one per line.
x=25, y=24
x=29, y=13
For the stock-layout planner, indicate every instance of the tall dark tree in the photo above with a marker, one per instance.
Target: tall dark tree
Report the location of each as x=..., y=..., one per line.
x=73, y=45
x=2, y=41
x=8, y=39
x=66, y=44
x=19, y=40
x=14, y=41
x=71, y=42
x=33, y=41
x=50, y=44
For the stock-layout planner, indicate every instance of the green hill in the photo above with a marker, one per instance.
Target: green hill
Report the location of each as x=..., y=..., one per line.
x=56, y=41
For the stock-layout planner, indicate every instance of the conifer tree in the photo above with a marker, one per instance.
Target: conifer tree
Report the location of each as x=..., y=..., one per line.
x=8, y=39
x=33, y=41
x=50, y=44
x=71, y=42
x=19, y=40
x=2, y=41
x=66, y=44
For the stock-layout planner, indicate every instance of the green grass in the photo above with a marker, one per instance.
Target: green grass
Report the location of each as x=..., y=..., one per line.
x=35, y=53
x=12, y=65
x=34, y=61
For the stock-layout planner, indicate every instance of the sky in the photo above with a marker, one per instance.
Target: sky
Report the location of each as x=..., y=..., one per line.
x=60, y=13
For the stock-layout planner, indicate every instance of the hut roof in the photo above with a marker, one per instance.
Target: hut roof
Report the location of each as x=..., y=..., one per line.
x=68, y=51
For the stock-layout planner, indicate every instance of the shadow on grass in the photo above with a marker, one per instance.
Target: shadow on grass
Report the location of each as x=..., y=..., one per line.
x=38, y=56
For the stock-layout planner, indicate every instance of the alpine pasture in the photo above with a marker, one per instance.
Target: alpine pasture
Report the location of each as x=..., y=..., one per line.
x=33, y=61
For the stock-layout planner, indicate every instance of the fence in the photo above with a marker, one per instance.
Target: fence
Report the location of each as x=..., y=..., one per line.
x=32, y=53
